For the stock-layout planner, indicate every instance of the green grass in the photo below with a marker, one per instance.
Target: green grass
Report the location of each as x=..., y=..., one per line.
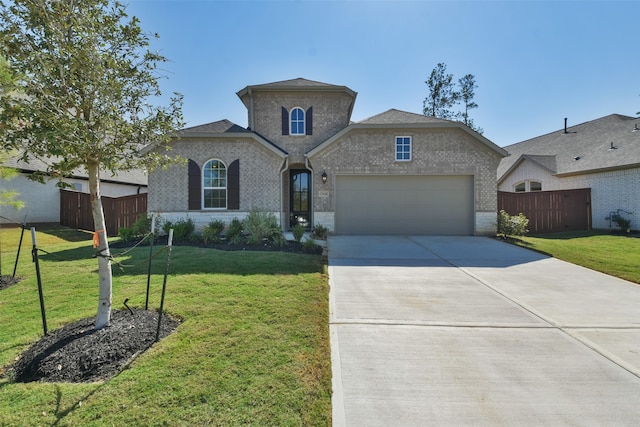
x=253, y=348
x=614, y=254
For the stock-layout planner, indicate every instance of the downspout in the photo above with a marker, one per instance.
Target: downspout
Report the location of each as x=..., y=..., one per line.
x=283, y=169
x=308, y=165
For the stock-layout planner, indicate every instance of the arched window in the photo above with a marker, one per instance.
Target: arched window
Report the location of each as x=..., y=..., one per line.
x=535, y=186
x=297, y=126
x=214, y=185
x=523, y=186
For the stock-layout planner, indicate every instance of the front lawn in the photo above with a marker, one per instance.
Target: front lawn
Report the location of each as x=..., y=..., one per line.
x=252, y=348
x=614, y=254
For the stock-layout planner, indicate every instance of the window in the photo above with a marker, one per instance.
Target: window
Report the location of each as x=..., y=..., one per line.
x=403, y=148
x=521, y=187
x=214, y=185
x=297, y=121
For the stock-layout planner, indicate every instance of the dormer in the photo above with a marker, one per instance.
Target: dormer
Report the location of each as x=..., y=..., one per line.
x=297, y=114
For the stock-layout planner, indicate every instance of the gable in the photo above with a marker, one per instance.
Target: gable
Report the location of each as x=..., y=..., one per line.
x=401, y=121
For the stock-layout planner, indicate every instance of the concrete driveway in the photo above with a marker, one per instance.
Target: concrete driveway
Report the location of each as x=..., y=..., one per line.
x=433, y=330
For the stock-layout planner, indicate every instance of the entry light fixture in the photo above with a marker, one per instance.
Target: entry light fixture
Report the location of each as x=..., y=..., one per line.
x=324, y=177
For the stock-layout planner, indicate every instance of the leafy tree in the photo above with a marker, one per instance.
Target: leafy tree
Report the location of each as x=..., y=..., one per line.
x=467, y=86
x=88, y=85
x=7, y=197
x=442, y=94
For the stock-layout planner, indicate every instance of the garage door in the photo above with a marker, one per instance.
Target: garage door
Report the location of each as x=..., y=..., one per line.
x=404, y=204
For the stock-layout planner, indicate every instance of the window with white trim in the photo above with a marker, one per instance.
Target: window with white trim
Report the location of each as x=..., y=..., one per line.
x=297, y=125
x=524, y=186
x=214, y=185
x=403, y=148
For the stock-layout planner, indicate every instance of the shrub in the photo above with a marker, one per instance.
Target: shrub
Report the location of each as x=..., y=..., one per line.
x=261, y=225
x=320, y=231
x=182, y=229
x=310, y=246
x=623, y=223
x=235, y=230
x=138, y=230
x=142, y=226
x=126, y=234
x=509, y=225
x=212, y=231
x=298, y=232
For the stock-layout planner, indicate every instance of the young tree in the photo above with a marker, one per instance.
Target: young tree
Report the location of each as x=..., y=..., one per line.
x=442, y=94
x=88, y=85
x=467, y=86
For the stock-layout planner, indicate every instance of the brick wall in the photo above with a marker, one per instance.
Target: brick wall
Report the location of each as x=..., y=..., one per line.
x=434, y=152
x=330, y=115
x=260, y=178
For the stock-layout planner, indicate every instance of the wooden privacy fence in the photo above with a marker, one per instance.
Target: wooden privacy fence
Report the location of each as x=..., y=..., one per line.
x=550, y=211
x=75, y=210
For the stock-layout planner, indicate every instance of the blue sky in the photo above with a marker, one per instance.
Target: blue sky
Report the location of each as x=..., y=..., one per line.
x=535, y=62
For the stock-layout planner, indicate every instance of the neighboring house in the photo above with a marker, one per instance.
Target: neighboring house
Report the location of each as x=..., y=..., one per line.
x=602, y=154
x=42, y=201
x=304, y=160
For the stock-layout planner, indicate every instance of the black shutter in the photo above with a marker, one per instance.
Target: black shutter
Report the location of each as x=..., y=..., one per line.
x=285, y=121
x=233, y=185
x=195, y=186
x=309, y=122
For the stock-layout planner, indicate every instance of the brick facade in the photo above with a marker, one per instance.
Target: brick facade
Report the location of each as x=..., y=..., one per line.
x=448, y=151
x=334, y=146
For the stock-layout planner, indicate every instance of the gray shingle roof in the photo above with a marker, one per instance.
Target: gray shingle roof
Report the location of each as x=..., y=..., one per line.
x=221, y=126
x=397, y=117
x=296, y=84
x=131, y=177
x=586, y=147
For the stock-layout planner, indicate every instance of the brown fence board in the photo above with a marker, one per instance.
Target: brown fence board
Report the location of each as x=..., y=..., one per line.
x=75, y=210
x=550, y=211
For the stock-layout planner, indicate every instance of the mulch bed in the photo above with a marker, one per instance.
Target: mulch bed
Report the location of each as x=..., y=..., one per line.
x=6, y=281
x=79, y=353
x=289, y=247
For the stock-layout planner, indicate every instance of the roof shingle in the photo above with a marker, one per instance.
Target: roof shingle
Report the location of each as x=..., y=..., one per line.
x=586, y=147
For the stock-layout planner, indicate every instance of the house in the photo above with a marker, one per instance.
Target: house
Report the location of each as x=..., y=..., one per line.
x=42, y=201
x=602, y=154
x=303, y=159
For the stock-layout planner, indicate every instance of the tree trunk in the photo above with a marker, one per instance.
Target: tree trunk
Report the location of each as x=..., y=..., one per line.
x=103, y=317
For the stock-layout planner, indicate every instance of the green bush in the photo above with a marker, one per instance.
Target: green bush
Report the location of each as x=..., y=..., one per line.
x=182, y=229
x=298, y=232
x=138, y=230
x=212, y=232
x=310, y=246
x=126, y=234
x=623, y=223
x=261, y=225
x=142, y=226
x=509, y=225
x=235, y=231
x=320, y=231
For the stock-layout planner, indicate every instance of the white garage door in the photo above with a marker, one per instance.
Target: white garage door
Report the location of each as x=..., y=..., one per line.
x=404, y=204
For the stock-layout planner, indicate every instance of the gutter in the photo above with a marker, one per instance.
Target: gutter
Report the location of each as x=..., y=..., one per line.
x=283, y=169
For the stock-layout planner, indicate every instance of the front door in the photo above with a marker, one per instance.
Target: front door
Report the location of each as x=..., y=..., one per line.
x=300, y=198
